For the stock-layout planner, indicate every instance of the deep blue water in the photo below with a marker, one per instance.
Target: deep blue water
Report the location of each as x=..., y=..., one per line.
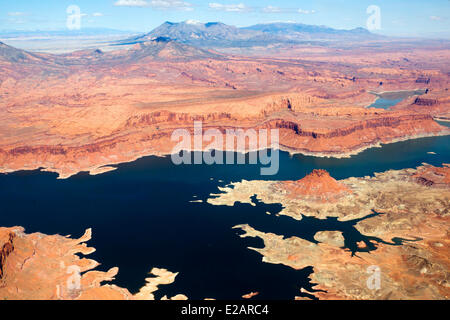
x=142, y=218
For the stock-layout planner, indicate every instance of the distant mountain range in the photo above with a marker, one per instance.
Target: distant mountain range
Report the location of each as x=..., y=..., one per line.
x=217, y=34
x=303, y=31
x=161, y=49
x=190, y=40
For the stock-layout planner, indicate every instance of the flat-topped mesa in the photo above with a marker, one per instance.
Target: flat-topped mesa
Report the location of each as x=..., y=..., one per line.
x=318, y=185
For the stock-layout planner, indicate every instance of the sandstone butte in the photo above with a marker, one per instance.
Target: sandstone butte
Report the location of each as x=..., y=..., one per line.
x=89, y=110
x=403, y=218
x=318, y=185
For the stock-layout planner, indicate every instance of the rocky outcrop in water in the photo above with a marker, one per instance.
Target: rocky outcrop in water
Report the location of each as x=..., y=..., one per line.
x=318, y=185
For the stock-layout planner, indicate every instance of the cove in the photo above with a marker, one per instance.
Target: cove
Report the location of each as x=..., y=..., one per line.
x=386, y=100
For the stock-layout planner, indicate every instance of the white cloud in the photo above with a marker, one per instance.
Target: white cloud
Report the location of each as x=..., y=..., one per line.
x=272, y=9
x=157, y=4
x=171, y=4
x=435, y=18
x=301, y=11
x=229, y=7
x=97, y=14
x=131, y=3
x=17, y=14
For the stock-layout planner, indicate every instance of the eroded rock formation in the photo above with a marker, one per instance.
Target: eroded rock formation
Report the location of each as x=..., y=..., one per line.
x=318, y=185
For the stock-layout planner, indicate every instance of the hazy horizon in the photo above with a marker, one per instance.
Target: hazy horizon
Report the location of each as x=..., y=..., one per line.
x=397, y=18
x=97, y=31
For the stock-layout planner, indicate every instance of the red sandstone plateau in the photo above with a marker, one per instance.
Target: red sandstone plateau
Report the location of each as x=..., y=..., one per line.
x=86, y=110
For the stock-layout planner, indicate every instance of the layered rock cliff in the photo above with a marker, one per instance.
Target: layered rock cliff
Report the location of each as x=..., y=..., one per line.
x=150, y=134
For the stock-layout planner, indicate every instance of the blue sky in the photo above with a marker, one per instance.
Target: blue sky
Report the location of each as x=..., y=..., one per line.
x=398, y=17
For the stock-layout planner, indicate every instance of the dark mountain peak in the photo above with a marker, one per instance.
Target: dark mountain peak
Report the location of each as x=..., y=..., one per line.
x=218, y=25
x=213, y=24
x=189, y=31
x=162, y=39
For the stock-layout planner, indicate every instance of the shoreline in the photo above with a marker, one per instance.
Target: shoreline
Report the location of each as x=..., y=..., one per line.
x=109, y=166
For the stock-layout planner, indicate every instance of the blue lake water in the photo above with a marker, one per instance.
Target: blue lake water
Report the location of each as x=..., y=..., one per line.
x=381, y=103
x=142, y=218
x=389, y=99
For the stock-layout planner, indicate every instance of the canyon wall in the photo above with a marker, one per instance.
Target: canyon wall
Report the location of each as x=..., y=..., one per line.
x=87, y=111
